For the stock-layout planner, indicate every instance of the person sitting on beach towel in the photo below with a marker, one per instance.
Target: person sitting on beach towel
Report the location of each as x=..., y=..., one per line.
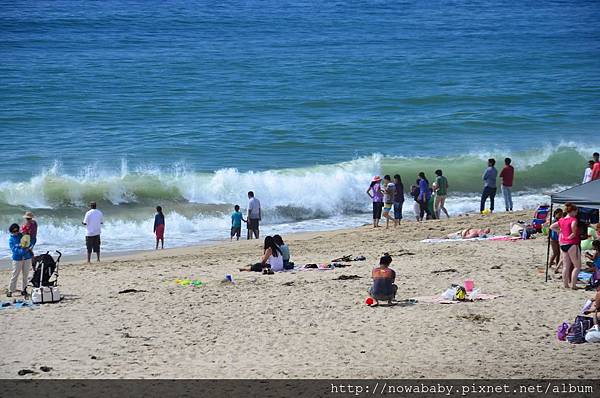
x=271, y=260
x=470, y=233
x=594, y=262
x=383, y=281
x=285, y=252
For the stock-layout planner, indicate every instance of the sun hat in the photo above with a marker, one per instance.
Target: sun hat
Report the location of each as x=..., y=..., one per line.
x=376, y=179
x=28, y=215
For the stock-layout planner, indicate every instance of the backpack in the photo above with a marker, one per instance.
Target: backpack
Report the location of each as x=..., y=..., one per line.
x=576, y=334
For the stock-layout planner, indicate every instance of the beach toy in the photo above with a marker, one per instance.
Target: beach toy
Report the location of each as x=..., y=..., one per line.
x=469, y=285
x=229, y=278
x=369, y=301
x=196, y=283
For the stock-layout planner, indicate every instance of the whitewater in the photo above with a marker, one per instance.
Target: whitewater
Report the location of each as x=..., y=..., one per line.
x=198, y=204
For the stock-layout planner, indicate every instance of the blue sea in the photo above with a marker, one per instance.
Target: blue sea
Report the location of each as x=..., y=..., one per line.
x=191, y=104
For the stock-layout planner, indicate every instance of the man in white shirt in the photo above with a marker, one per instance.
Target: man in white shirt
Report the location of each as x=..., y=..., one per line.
x=254, y=215
x=93, y=223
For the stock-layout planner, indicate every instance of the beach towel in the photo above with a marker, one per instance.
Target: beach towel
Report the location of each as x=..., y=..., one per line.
x=584, y=276
x=441, y=300
x=18, y=305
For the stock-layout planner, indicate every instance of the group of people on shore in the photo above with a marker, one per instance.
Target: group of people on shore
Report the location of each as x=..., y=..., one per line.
x=430, y=199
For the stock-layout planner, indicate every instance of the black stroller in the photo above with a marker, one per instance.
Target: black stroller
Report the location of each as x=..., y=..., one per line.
x=45, y=266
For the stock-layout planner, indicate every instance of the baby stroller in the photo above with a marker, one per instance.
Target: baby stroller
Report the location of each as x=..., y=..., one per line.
x=45, y=290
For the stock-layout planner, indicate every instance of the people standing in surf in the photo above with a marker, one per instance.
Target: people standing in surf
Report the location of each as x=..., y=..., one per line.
x=236, y=223
x=254, y=216
x=507, y=176
x=587, y=174
x=441, y=190
x=424, y=196
x=489, y=185
x=569, y=239
x=388, y=199
x=376, y=194
x=30, y=227
x=398, y=199
x=93, y=221
x=159, y=227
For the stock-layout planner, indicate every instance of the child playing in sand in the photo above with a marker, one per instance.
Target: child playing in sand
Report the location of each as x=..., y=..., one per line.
x=236, y=222
x=383, y=281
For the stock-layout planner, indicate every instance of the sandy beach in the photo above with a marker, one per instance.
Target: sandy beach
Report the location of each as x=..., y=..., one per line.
x=304, y=324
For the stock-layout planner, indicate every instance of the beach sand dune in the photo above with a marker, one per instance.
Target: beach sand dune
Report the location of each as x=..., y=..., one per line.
x=305, y=324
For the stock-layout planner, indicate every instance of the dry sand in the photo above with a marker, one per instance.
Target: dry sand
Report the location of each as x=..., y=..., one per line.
x=304, y=324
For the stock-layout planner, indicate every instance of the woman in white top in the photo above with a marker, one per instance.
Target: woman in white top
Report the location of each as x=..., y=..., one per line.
x=587, y=176
x=271, y=260
x=285, y=252
x=272, y=255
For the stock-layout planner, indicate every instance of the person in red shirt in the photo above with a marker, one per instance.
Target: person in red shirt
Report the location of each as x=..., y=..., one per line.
x=596, y=168
x=507, y=175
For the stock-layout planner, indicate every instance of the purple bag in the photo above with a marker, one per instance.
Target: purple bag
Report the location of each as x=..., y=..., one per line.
x=561, y=332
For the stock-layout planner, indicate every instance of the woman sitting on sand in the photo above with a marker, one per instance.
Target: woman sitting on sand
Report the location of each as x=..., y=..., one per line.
x=272, y=258
x=285, y=252
x=470, y=233
x=383, y=281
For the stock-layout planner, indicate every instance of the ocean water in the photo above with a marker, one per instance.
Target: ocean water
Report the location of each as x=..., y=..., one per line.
x=191, y=104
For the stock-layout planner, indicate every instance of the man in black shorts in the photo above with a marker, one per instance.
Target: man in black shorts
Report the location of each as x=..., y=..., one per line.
x=93, y=223
x=254, y=215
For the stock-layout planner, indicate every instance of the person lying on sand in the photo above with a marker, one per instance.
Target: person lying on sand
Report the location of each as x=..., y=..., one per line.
x=272, y=258
x=383, y=281
x=470, y=233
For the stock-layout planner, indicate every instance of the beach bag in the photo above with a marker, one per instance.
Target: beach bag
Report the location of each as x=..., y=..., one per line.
x=579, y=328
x=45, y=294
x=593, y=335
x=561, y=332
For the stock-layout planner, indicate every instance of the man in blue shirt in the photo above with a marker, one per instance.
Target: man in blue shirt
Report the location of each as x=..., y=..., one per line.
x=489, y=185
